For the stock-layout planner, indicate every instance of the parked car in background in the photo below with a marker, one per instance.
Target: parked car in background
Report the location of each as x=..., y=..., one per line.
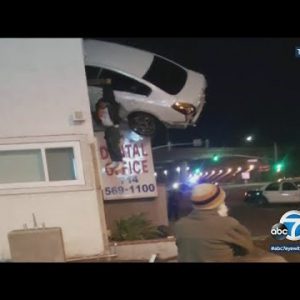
x=295, y=180
x=284, y=191
x=151, y=89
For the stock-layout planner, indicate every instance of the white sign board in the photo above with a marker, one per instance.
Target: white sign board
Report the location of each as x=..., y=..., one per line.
x=254, y=160
x=137, y=179
x=246, y=175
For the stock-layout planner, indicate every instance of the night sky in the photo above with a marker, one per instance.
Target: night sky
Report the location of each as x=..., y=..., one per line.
x=253, y=87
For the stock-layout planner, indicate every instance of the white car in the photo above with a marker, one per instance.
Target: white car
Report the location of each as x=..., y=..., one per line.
x=150, y=88
x=275, y=192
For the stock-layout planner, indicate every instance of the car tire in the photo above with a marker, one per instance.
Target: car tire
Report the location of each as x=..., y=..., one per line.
x=262, y=201
x=143, y=124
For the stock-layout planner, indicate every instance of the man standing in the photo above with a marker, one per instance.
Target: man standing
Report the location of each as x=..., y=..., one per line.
x=107, y=112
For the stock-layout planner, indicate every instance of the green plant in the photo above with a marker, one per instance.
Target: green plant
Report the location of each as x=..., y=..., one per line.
x=164, y=231
x=136, y=227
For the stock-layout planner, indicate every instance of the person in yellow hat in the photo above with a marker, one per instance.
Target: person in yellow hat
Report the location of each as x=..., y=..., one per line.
x=208, y=234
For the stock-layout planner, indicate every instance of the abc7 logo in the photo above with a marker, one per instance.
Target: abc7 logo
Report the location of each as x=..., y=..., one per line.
x=279, y=231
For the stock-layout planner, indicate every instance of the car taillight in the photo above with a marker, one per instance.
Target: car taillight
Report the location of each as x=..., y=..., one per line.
x=184, y=108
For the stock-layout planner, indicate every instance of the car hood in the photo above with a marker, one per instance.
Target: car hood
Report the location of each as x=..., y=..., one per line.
x=194, y=89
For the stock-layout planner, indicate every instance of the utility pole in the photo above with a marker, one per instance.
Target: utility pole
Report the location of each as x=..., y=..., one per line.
x=168, y=142
x=275, y=152
x=207, y=143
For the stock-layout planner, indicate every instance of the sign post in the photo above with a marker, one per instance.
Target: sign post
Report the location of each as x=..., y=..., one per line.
x=246, y=176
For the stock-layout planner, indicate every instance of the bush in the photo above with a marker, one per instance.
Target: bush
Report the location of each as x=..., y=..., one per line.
x=136, y=227
x=164, y=231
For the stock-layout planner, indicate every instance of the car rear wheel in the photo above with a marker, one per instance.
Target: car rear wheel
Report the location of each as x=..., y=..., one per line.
x=143, y=124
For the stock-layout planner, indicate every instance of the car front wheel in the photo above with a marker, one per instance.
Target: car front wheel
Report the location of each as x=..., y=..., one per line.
x=262, y=201
x=142, y=123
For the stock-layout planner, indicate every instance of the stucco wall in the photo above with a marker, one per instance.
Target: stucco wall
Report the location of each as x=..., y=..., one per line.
x=155, y=209
x=75, y=212
x=42, y=82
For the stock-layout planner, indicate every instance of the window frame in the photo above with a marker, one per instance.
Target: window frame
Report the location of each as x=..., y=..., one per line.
x=42, y=146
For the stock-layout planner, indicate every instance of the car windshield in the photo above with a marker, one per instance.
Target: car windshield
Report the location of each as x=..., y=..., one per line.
x=166, y=75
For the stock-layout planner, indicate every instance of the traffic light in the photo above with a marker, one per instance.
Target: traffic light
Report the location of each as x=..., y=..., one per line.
x=216, y=158
x=197, y=171
x=279, y=167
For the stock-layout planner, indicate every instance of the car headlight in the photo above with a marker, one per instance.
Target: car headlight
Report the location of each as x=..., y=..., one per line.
x=184, y=108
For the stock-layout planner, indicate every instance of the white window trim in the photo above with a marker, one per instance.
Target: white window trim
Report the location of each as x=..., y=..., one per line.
x=43, y=146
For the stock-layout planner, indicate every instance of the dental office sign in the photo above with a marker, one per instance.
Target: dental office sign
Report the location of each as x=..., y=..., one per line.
x=136, y=179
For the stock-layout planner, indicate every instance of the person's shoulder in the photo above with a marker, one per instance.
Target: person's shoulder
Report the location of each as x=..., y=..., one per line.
x=181, y=222
x=230, y=220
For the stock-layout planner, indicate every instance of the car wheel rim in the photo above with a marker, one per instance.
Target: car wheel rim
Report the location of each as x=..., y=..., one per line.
x=144, y=125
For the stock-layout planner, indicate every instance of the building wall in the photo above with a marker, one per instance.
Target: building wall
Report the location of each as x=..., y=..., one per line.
x=155, y=209
x=74, y=212
x=42, y=83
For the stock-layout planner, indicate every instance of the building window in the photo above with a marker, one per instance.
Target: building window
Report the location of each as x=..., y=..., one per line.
x=61, y=164
x=43, y=164
x=21, y=166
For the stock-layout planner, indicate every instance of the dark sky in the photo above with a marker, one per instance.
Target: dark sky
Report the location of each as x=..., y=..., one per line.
x=253, y=86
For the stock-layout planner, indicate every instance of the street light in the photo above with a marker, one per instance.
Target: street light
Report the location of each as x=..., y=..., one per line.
x=249, y=138
x=275, y=152
x=216, y=157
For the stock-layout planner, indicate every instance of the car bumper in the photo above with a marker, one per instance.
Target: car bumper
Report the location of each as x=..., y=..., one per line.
x=178, y=120
x=199, y=109
x=190, y=121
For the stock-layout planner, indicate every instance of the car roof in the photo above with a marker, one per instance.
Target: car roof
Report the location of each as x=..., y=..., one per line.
x=123, y=58
x=279, y=182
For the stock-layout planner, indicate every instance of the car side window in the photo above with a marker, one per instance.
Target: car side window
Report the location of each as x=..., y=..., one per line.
x=92, y=72
x=273, y=187
x=288, y=186
x=123, y=83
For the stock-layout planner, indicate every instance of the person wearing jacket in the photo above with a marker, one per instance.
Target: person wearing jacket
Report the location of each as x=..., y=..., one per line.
x=107, y=113
x=208, y=234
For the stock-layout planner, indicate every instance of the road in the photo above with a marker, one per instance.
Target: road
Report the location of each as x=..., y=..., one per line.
x=259, y=220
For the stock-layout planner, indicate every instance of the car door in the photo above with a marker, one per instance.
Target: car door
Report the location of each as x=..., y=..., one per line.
x=289, y=193
x=272, y=192
x=130, y=93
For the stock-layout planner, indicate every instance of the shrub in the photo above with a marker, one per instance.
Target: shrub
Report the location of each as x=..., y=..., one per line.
x=136, y=227
x=164, y=231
